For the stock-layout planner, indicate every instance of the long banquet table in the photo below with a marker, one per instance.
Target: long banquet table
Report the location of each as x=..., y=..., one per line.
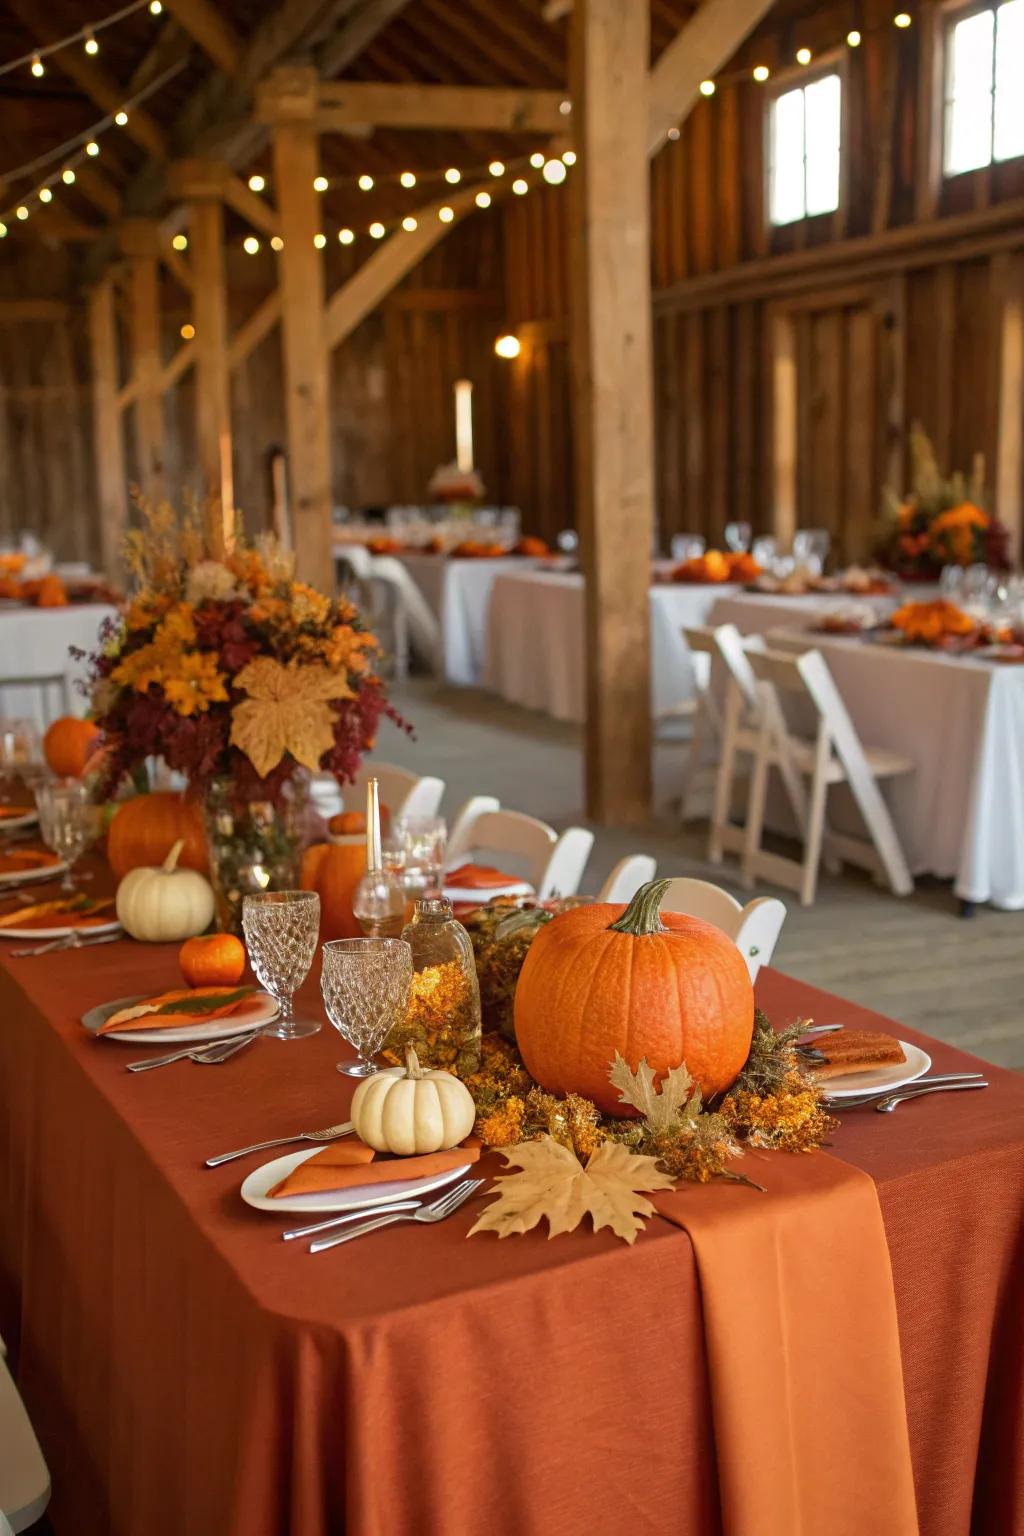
x=36, y=642
x=960, y=815
x=459, y=592
x=186, y=1371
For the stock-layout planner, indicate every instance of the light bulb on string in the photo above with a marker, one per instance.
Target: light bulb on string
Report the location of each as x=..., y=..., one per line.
x=707, y=87
x=155, y=7
x=409, y=223
x=3, y=229
x=38, y=67
x=520, y=187
x=320, y=183
x=569, y=156
x=507, y=346
x=902, y=19
x=853, y=38
x=365, y=183
x=377, y=230
x=537, y=159
x=446, y=214
x=276, y=243
x=452, y=175
x=257, y=182
x=45, y=195
x=483, y=199
x=554, y=172
x=407, y=179
x=121, y=118
x=180, y=243
x=319, y=240
x=250, y=245
x=565, y=107
x=67, y=176
x=803, y=55
x=92, y=148
x=187, y=331
x=346, y=236
x=91, y=45
x=761, y=73
x=497, y=168
x=21, y=211
x=673, y=134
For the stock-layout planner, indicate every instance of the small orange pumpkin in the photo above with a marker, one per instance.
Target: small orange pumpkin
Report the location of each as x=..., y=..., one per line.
x=51, y=593
x=334, y=870
x=69, y=744
x=146, y=828
x=605, y=978
x=212, y=960
x=347, y=824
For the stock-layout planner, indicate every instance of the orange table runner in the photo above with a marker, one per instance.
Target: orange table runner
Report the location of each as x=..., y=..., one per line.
x=803, y=1349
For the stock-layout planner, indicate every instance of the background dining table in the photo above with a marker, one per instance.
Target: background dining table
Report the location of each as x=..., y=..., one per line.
x=37, y=642
x=458, y=592
x=186, y=1370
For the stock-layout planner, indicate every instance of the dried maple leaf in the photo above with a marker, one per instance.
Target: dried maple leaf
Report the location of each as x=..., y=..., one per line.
x=553, y=1183
x=679, y=1098
x=288, y=710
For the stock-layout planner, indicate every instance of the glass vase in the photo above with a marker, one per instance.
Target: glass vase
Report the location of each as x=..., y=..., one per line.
x=254, y=844
x=442, y=1019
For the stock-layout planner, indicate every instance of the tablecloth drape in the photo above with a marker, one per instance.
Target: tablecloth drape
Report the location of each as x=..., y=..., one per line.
x=459, y=592
x=187, y=1371
x=35, y=642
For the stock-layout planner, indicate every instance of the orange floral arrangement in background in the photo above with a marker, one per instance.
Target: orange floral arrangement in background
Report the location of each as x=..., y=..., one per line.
x=933, y=623
x=716, y=566
x=44, y=591
x=941, y=521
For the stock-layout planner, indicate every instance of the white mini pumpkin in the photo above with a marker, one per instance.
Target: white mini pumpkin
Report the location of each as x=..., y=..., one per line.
x=413, y=1112
x=163, y=903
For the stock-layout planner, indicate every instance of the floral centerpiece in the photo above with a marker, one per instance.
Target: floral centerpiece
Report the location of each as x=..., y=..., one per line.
x=243, y=679
x=941, y=521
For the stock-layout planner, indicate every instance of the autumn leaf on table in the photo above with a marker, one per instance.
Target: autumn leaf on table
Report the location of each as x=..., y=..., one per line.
x=678, y=1099
x=288, y=710
x=552, y=1183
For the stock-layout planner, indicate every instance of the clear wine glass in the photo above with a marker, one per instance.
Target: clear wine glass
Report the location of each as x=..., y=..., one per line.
x=687, y=546
x=68, y=822
x=737, y=536
x=365, y=983
x=281, y=931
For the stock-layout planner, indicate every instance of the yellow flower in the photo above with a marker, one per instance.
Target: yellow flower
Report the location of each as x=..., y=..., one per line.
x=308, y=605
x=346, y=647
x=146, y=610
x=196, y=685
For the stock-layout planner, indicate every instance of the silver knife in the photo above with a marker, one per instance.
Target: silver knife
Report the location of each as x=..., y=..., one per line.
x=68, y=943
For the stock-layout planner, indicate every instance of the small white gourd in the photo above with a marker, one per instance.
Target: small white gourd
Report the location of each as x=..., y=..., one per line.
x=415, y=1112
x=163, y=903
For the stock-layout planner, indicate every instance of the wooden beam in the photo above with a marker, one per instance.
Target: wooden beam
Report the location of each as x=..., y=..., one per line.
x=612, y=397
x=180, y=363
x=783, y=374
x=249, y=206
x=109, y=448
x=176, y=264
x=345, y=104
x=98, y=189
x=1008, y=277
x=211, y=30
x=356, y=33
x=259, y=324
x=697, y=53
x=14, y=310
x=389, y=263
x=212, y=401
x=139, y=242
x=296, y=164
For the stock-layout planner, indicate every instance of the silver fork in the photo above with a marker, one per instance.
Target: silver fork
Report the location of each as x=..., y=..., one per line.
x=867, y=1099
x=329, y=1133
x=378, y=1207
x=205, y=1055
x=886, y=1106
x=426, y=1213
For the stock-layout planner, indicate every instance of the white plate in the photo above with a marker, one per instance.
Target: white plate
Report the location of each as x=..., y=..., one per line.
x=14, y=823
x=254, y=1189
x=916, y=1065
x=24, y=876
x=261, y=1010
x=61, y=931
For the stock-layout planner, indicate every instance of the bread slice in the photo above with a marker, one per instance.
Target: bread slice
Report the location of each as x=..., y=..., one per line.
x=855, y=1050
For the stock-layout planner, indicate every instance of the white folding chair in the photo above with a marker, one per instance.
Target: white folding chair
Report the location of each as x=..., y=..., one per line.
x=24, y=1478
x=553, y=864
x=412, y=616
x=627, y=877
x=835, y=755
x=754, y=929
x=404, y=793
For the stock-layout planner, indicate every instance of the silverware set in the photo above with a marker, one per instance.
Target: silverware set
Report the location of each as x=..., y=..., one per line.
x=885, y=1100
x=67, y=941
x=442, y=1207
x=204, y=1055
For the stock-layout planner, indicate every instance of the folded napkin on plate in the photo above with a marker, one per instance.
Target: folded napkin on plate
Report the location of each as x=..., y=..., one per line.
x=187, y=1005
x=351, y=1163
x=9, y=812
x=21, y=860
x=480, y=877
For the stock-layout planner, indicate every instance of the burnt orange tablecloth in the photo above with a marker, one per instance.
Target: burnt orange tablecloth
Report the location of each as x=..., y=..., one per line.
x=186, y=1371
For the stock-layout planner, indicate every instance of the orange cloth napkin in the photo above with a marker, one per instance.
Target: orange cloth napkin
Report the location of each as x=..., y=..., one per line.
x=23, y=859
x=803, y=1349
x=8, y=812
x=119, y=1024
x=479, y=877
x=345, y=1164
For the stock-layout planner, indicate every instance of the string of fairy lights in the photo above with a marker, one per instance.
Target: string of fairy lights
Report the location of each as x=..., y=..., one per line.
x=85, y=35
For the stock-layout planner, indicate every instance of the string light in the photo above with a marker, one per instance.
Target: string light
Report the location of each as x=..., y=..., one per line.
x=121, y=118
x=155, y=7
x=22, y=211
x=320, y=183
x=409, y=223
x=45, y=195
x=452, y=175
x=91, y=45
x=537, y=159
x=446, y=215
x=346, y=236
x=761, y=72
x=497, y=168
x=257, y=182
x=366, y=183
x=853, y=38
x=569, y=156
x=707, y=87
x=519, y=186
x=276, y=243
x=377, y=230
x=554, y=172
x=483, y=199
x=38, y=67
x=673, y=134
x=803, y=55
x=187, y=331
x=902, y=19
x=407, y=179
x=565, y=107
x=92, y=148
x=250, y=245
x=3, y=230
x=180, y=243
x=67, y=176
x=507, y=346
x=319, y=241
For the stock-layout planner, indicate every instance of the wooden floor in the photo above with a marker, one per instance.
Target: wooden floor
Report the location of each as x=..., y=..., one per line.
x=914, y=959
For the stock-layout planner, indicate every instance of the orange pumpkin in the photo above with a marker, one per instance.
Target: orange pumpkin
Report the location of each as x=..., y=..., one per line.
x=69, y=744
x=605, y=978
x=212, y=960
x=51, y=593
x=145, y=829
x=347, y=823
x=334, y=870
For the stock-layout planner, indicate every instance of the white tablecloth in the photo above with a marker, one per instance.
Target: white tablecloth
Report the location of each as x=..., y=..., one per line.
x=35, y=642
x=960, y=815
x=535, y=641
x=459, y=593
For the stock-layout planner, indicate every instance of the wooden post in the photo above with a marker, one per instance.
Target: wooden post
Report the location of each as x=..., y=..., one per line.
x=289, y=99
x=201, y=184
x=109, y=448
x=784, y=386
x=140, y=243
x=612, y=397
x=1008, y=273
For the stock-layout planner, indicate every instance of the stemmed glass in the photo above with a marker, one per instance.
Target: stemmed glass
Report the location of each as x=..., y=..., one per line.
x=20, y=753
x=738, y=536
x=687, y=546
x=281, y=931
x=423, y=840
x=68, y=822
x=365, y=983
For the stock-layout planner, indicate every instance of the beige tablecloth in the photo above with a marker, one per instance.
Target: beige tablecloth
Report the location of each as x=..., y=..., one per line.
x=459, y=592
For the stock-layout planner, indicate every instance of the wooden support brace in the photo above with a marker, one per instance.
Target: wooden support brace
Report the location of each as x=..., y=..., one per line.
x=109, y=448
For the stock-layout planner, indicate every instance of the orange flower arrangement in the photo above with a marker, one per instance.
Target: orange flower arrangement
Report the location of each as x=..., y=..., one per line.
x=933, y=623
x=716, y=566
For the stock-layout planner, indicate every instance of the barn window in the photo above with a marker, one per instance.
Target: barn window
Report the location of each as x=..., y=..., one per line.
x=804, y=136
x=984, y=99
